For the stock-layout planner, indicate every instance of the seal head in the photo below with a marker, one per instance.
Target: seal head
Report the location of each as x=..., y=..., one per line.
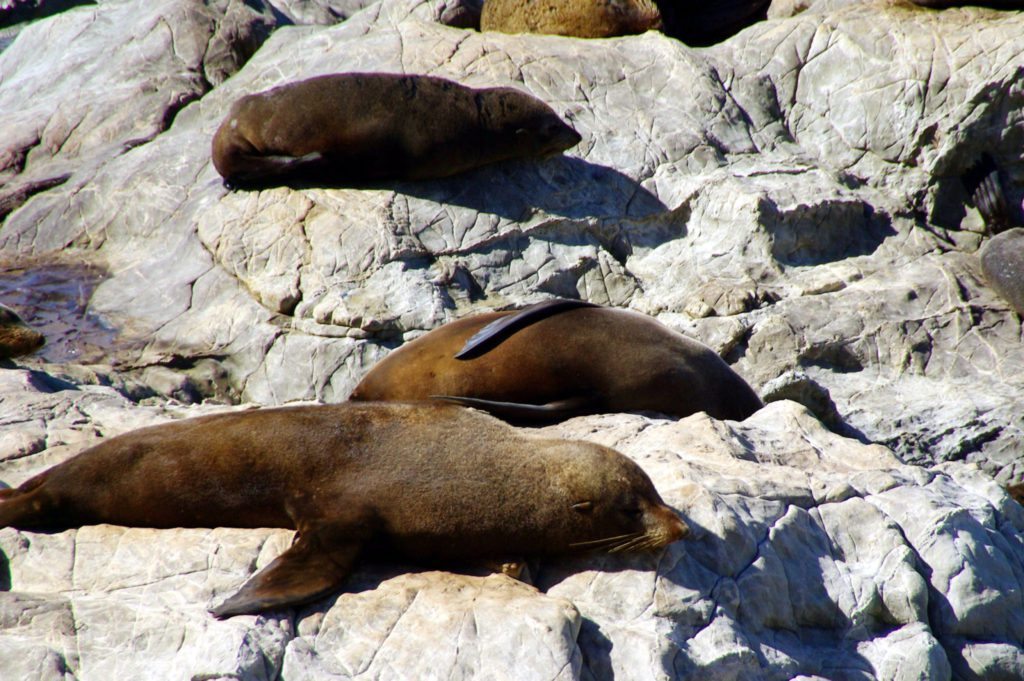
x=356, y=128
x=429, y=482
x=16, y=337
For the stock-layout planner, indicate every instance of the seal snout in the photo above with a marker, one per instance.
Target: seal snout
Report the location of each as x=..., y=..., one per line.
x=665, y=527
x=562, y=137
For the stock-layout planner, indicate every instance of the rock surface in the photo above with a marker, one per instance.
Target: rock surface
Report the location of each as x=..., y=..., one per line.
x=791, y=197
x=812, y=555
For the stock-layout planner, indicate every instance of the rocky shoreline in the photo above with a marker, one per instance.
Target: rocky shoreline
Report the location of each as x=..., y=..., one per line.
x=792, y=197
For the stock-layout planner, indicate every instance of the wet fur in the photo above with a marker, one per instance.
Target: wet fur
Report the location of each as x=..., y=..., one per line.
x=16, y=337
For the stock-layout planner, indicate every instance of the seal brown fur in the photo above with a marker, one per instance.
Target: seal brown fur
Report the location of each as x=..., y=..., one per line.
x=424, y=481
x=360, y=127
x=561, y=359
x=576, y=18
x=16, y=337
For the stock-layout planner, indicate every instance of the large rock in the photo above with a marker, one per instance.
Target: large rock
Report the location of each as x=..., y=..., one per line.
x=791, y=197
x=86, y=85
x=780, y=196
x=812, y=555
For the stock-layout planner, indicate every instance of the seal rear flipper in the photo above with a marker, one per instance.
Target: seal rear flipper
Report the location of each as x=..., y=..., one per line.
x=991, y=203
x=303, y=573
x=524, y=412
x=497, y=331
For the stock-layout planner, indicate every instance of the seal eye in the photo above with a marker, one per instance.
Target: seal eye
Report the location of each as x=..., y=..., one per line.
x=583, y=507
x=633, y=512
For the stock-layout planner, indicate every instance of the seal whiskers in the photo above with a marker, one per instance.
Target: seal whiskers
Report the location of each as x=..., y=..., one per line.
x=427, y=482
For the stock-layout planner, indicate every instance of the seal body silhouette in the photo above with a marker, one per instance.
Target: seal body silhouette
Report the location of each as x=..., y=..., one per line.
x=16, y=337
x=425, y=481
x=362, y=127
x=560, y=359
x=576, y=18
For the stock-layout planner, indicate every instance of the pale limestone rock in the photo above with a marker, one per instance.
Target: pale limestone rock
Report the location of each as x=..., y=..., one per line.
x=813, y=555
x=88, y=84
x=786, y=197
x=773, y=188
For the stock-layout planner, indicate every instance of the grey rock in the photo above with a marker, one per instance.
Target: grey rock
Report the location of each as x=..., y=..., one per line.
x=1002, y=263
x=791, y=197
x=320, y=12
x=813, y=556
x=19, y=11
x=799, y=387
x=86, y=85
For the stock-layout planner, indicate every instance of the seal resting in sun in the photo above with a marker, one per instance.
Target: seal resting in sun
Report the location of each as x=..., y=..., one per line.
x=431, y=481
x=360, y=127
x=575, y=18
x=16, y=337
x=559, y=359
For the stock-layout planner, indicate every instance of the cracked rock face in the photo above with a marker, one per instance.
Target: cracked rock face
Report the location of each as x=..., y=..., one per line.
x=791, y=197
x=788, y=197
x=812, y=555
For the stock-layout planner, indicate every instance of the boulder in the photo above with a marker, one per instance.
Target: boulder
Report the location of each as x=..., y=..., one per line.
x=791, y=197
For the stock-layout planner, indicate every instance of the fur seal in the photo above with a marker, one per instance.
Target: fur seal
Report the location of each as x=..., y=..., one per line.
x=16, y=337
x=576, y=18
x=360, y=127
x=560, y=359
x=430, y=481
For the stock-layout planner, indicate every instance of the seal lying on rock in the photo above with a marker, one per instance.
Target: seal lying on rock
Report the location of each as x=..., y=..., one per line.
x=359, y=127
x=16, y=337
x=576, y=18
x=560, y=359
x=424, y=481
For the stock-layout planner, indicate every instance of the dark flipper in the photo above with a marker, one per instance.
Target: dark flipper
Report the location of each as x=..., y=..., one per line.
x=985, y=189
x=303, y=573
x=529, y=413
x=991, y=203
x=497, y=331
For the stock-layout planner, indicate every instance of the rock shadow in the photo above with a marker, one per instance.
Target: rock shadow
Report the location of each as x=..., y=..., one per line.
x=562, y=185
x=791, y=612
x=827, y=232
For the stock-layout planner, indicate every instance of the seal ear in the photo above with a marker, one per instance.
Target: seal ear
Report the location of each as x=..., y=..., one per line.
x=583, y=506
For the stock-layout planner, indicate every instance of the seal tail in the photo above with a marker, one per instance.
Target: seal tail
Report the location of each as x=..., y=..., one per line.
x=303, y=573
x=522, y=412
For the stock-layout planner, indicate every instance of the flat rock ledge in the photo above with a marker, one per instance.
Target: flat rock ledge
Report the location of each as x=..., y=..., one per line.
x=813, y=556
x=793, y=197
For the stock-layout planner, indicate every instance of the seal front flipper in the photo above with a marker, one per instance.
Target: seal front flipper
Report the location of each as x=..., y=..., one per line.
x=303, y=573
x=523, y=412
x=500, y=329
